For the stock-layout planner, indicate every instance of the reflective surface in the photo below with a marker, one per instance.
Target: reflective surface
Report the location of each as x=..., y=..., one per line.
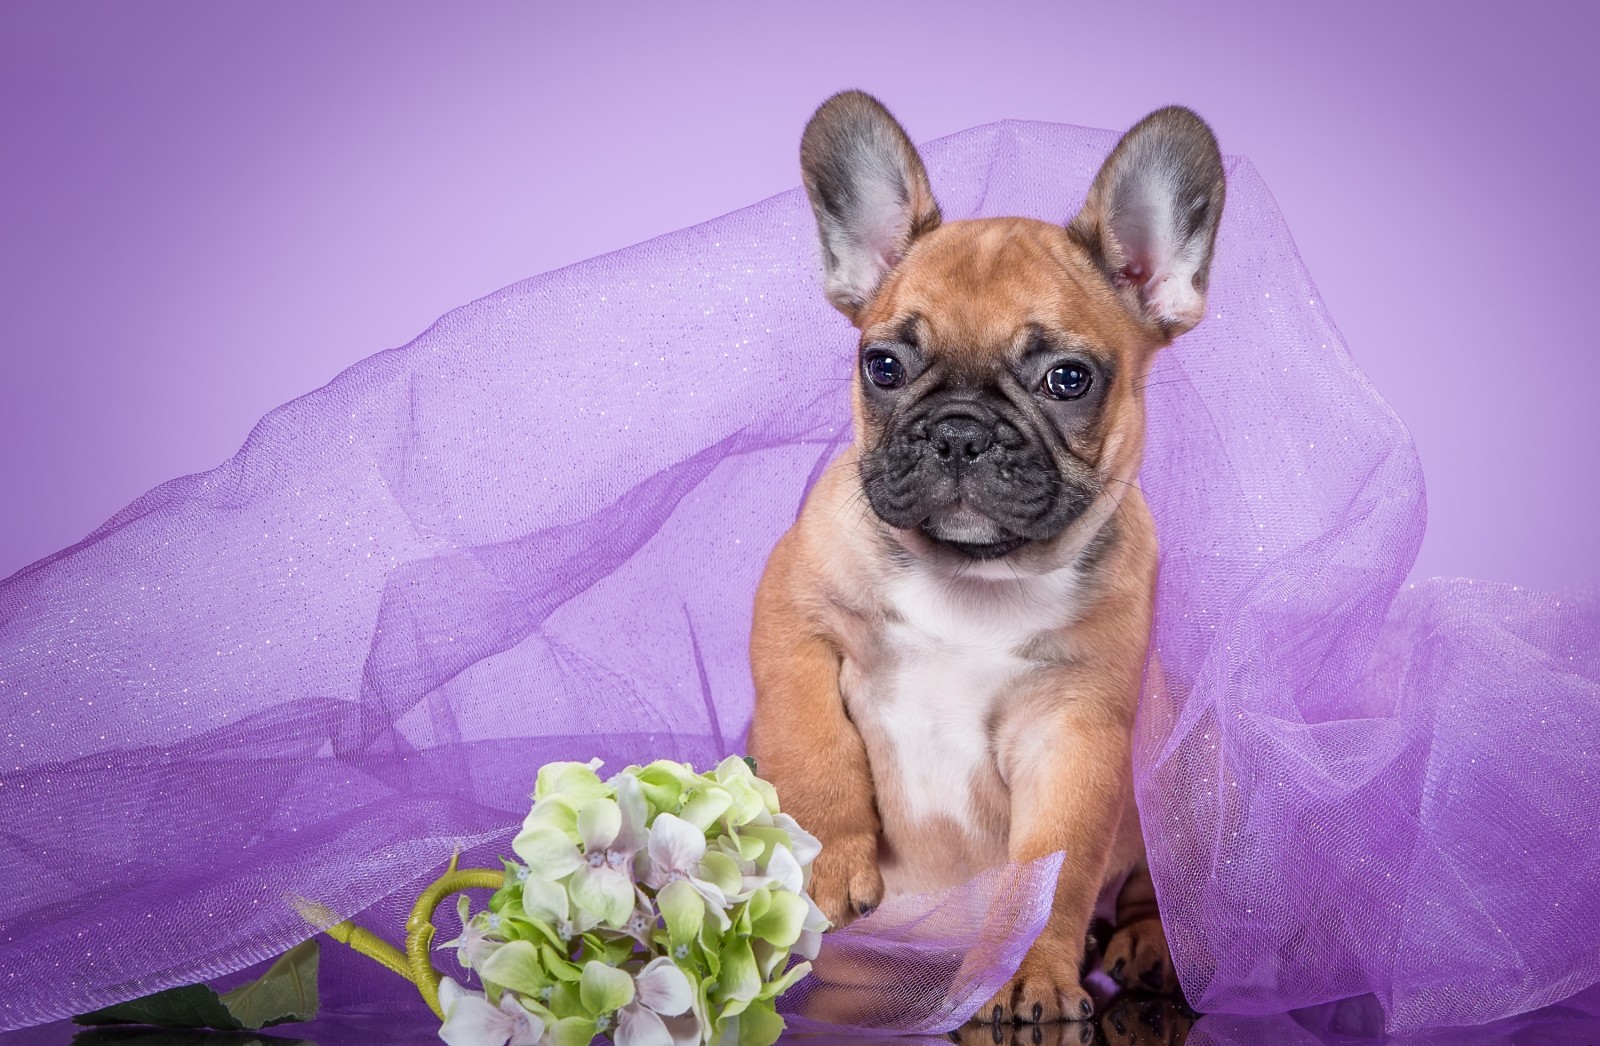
x=1127, y=1020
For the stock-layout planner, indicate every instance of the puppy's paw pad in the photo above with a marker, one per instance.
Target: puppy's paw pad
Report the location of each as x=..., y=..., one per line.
x=1137, y=957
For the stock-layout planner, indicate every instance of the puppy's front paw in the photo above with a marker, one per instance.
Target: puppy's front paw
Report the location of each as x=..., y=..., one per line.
x=1137, y=957
x=1046, y=988
x=845, y=881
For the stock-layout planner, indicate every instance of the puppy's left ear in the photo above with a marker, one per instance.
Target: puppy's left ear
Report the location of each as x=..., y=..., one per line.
x=1151, y=218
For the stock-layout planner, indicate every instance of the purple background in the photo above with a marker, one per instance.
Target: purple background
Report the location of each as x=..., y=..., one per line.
x=210, y=209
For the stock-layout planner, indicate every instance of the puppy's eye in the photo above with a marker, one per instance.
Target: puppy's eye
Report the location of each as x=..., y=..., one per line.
x=1066, y=382
x=884, y=371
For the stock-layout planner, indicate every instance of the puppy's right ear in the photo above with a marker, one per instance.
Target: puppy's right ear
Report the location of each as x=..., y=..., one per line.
x=870, y=193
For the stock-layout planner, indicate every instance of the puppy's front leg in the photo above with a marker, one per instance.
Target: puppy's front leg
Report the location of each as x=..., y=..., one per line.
x=1067, y=758
x=805, y=744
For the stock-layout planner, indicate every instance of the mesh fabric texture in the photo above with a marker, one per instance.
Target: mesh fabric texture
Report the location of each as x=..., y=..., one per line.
x=534, y=534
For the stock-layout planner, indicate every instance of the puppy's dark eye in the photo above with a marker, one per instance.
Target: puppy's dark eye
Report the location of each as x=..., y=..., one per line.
x=885, y=371
x=1066, y=382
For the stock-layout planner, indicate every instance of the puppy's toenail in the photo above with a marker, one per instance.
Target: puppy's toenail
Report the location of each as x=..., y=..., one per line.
x=1086, y=1007
x=995, y=1019
x=1038, y=1011
x=865, y=910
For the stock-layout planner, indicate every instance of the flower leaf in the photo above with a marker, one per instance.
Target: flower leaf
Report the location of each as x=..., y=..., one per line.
x=192, y=1006
x=286, y=992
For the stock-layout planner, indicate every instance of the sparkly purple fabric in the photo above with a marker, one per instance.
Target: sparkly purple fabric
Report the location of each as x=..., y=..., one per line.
x=534, y=534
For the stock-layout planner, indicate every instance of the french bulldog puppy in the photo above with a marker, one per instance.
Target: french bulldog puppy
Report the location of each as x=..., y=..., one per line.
x=949, y=643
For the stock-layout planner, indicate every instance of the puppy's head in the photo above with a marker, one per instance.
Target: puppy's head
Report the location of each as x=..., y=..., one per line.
x=998, y=395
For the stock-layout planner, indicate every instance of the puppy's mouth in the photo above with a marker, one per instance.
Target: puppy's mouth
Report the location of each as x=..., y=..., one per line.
x=970, y=532
x=985, y=550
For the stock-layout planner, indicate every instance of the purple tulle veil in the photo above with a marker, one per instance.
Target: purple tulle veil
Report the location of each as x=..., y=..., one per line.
x=534, y=533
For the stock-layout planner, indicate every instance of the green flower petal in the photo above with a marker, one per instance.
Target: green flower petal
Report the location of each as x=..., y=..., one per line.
x=664, y=781
x=759, y=1025
x=515, y=966
x=781, y=923
x=684, y=910
x=575, y=782
x=573, y=1031
x=547, y=852
x=708, y=803
x=768, y=958
x=740, y=980
x=560, y=967
x=554, y=813
x=722, y=871
x=604, y=989
x=599, y=821
x=752, y=846
x=787, y=981
x=604, y=891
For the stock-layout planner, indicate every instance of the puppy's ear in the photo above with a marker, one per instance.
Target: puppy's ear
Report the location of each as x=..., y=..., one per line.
x=870, y=193
x=1151, y=218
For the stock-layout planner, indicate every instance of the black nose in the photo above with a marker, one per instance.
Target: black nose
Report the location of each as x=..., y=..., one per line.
x=959, y=439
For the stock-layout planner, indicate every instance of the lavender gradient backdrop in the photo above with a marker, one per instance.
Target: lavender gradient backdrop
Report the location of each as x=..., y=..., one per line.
x=210, y=209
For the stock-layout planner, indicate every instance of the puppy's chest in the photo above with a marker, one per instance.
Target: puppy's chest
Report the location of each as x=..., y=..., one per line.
x=943, y=671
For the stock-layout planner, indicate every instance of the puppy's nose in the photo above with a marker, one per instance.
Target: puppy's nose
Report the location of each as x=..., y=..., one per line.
x=959, y=439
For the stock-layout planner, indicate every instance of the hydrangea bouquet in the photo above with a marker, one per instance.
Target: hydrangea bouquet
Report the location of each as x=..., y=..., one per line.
x=660, y=907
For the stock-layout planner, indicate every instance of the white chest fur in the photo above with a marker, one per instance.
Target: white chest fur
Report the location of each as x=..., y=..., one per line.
x=952, y=654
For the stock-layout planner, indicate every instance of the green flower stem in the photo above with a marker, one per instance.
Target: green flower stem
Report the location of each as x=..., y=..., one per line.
x=365, y=942
x=413, y=964
x=419, y=927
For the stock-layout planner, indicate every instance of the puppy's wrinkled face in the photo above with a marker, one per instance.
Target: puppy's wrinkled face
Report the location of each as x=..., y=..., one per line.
x=995, y=373
x=998, y=391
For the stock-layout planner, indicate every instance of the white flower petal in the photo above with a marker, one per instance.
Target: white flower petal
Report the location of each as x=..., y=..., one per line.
x=526, y=1028
x=785, y=870
x=450, y=991
x=716, y=900
x=639, y=1026
x=809, y=944
x=471, y=1021
x=634, y=807
x=806, y=846
x=675, y=844
x=663, y=987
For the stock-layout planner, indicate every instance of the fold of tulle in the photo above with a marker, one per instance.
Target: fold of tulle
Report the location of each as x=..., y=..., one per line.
x=534, y=533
